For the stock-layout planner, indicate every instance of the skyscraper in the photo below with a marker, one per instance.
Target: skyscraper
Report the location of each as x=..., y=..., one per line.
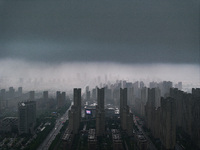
x=165, y=90
x=3, y=100
x=32, y=95
x=161, y=120
x=75, y=112
x=100, y=113
x=126, y=117
x=11, y=93
x=100, y=98
x=153, y=102
x=27, y=116
x=168, y=123
x=60, y=97
x=77, y=100
x=123, y=104
x=87, y=93
x=19, y=91
x=130, y=97
x=144, y=97
x=45, y=95
x=154, y=96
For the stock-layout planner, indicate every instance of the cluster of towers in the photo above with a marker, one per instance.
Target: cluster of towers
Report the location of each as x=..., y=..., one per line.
x=187, y=110
x=8, y=98
x=177, y=110
x=126, y=116
x=27, y=108
x=161, y=120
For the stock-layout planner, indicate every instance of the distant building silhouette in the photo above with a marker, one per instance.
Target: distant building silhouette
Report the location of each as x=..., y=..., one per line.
x=45, y=95
x=19, y=91
x=87, y=93
x=179, y=86
x=11, y=93
x=31, y=95
x=3, y=101
x=165, y=88
x=60, y=98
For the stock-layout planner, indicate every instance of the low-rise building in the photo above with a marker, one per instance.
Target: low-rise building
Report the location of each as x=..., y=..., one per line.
x=116, y=139
x=9, y=124
x=141, y=141
x=92, y=140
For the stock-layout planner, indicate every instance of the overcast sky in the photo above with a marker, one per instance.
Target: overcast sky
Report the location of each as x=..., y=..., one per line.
x=125, y=31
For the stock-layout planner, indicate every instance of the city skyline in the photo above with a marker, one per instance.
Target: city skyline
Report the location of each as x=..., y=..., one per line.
x=123, y=108
x=99, y=75
x=37, y=76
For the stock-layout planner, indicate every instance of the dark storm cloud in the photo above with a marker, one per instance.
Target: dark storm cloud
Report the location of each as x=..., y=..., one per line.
x=108, y=30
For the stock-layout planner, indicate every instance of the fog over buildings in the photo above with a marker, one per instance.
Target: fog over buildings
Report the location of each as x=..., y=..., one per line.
x=68, y=44
x=65, y=76
x=107, y=74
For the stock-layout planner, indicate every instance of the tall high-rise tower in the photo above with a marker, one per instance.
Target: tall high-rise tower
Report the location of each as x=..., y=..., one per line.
x=153, y=102
x=75, y=112
x=123, y=101
x=27, y=116
x=168, y=123
x=100, y=98
x=100, y=113
x=45, y=95
x=59, y=99
x=32, y=95
x=154, y=96
x=19, y=91
x=77, y=100
x=126, y=117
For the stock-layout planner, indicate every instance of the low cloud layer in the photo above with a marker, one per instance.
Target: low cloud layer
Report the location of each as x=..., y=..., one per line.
x=66, y=76
x=66, y=44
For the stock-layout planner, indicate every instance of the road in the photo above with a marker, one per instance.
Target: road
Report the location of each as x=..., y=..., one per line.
x=49, y=139
x=151, y=145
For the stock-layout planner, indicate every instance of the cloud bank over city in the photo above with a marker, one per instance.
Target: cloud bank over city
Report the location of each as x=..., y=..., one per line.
x=66, y=76
x=74, y=42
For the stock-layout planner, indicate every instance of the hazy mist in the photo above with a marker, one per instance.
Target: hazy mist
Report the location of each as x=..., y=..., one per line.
x=66, y=76
x=65, y=44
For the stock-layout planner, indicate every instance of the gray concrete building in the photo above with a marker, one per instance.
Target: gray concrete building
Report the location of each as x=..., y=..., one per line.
x=75, y=112
x=100, y=113
x=27, y=116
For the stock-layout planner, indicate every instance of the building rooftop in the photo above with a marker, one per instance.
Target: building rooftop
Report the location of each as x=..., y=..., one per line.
x=91, y=135
x=67, y=135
